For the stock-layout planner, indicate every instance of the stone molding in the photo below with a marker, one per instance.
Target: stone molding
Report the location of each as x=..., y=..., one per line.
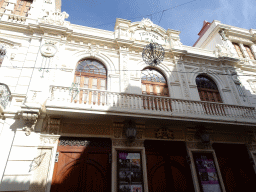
x=125, y=143
x=49, y=139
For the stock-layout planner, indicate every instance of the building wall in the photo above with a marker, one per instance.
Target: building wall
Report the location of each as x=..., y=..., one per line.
x=30, y=71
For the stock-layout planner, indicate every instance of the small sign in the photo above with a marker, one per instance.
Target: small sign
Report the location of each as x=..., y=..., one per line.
x=56, y=157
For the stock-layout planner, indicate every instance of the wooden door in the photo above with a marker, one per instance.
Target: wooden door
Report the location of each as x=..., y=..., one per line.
x=167, y=168
x=82, y=168
x=237, y=172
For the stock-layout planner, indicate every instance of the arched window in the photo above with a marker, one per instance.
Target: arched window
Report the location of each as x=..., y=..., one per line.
x=90, y=74
x=208, y=90
x=154, y=83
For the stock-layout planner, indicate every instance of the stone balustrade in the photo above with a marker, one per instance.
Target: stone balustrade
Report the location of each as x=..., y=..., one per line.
x=148, y=104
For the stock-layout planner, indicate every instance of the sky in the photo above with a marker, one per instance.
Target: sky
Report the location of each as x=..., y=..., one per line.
x=186, y=16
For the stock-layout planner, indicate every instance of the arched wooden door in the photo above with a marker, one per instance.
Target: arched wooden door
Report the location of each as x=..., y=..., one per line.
x=167, y=168
x=83, y=166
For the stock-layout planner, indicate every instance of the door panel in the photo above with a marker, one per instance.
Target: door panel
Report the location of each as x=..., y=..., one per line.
x=236, y=170
x=167, y=169
x=83, y=168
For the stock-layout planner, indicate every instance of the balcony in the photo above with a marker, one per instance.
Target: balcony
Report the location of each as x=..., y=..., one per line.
x=64, y=99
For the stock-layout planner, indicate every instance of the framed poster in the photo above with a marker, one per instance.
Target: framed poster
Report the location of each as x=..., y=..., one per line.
x=206, y=172
x=129, y=171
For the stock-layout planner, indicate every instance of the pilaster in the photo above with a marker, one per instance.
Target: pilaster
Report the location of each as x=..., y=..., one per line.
x=244, y=51
x=124, y=68
x=182, y=76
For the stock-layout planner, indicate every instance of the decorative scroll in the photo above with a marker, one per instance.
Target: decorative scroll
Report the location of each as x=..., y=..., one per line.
x=30, y=119
x=78, y=142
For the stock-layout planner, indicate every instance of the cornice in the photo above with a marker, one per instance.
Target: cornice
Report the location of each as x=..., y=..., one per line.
x=12, y=43
x=55, y=28
x=8, y=24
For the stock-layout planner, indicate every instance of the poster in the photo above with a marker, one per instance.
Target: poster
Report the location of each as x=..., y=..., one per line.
x=130, y=177
x=207, y=173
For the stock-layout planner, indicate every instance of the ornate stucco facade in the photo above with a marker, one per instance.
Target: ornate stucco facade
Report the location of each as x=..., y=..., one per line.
x=42, y=103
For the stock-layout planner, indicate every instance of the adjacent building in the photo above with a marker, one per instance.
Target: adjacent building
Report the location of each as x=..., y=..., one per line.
x=81, y=111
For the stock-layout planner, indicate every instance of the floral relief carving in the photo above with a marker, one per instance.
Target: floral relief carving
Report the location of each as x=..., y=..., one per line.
x=164, y=133
x=48, y=139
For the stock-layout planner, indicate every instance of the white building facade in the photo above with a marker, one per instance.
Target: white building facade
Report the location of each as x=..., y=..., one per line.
x=72, y=95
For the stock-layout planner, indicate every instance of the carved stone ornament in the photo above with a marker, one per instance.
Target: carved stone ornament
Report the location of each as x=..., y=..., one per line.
x=77, y=142
x=223, y=35
x=30, y=119
x=199, y=145
x=93, y=50
x=48, y=1
x=55, y=18
x=53, y=125
x=48, y=50
x=48, y=139
x=223, y=51
x=164, y=133
x=125, y=143
x=147, y=24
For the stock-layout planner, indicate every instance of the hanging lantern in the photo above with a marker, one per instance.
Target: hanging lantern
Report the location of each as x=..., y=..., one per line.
x=130, y=130
x=153, y=54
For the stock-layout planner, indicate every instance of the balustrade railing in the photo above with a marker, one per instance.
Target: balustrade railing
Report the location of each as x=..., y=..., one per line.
x=149, y=103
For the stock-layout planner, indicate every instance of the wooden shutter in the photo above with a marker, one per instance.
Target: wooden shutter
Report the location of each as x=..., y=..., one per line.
x=238, y=50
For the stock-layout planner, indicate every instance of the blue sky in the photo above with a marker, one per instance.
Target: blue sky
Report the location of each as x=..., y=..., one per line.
x=187, y=18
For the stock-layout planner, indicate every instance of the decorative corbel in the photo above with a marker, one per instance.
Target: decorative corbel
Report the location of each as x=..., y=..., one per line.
x=30, y=119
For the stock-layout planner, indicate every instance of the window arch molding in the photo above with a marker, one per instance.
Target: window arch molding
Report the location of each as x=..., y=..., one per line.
x=215, y=83
x=161, y=68
x=161, y=74
x=216, y=78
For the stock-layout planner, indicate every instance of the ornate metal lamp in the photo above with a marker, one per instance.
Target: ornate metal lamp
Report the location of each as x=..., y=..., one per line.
x=153, y=54
x=130, y=130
